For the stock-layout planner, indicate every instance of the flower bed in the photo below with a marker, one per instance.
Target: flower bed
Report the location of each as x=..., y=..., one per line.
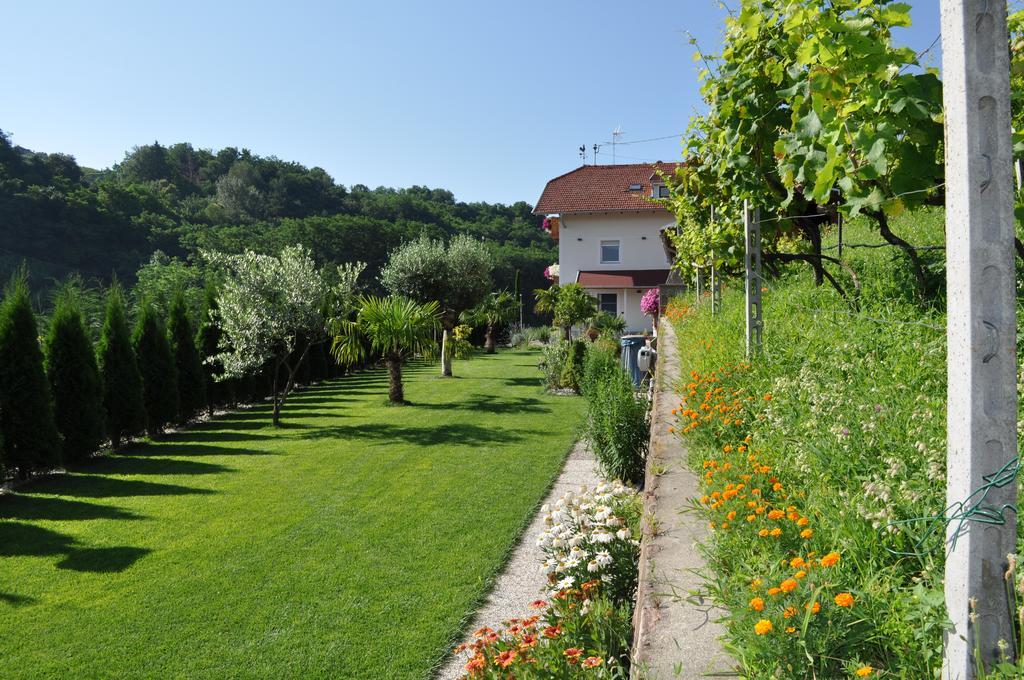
x=583, y=623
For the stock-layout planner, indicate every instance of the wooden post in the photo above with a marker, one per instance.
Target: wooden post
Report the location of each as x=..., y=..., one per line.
x=981, y=328
x=752, y=283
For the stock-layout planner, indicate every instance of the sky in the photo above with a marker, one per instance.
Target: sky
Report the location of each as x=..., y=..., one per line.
x=487, y=99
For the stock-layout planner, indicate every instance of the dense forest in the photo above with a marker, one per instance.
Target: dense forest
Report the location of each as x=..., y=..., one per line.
x=168, y=202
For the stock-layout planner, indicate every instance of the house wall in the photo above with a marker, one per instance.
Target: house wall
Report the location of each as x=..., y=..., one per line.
x=579, y=249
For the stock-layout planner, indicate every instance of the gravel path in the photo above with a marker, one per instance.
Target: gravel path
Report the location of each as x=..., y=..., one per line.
x=522, y=582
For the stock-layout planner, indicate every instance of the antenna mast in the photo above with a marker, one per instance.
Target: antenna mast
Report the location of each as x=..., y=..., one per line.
x=616, y=133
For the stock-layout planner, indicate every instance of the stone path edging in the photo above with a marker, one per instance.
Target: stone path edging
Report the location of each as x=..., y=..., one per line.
x=675, y=628
x=521, y=581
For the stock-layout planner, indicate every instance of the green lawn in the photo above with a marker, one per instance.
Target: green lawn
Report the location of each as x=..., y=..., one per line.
x=351, y=543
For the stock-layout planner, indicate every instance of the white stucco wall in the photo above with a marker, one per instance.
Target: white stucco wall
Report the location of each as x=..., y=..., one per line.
x=579, y=249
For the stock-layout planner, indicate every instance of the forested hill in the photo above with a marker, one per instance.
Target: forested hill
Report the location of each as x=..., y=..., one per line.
x=61, y=218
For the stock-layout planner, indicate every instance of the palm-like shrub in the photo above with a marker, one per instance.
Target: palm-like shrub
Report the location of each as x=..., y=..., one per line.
x=74, y=380
x=393, y=328
x=546, y=302
x=494, y=310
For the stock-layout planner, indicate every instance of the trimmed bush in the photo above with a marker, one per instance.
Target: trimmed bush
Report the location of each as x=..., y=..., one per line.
x=187, y=362
x=31, y=443
x=572, y=371
x=156, y=366
x=617, y=425
x=552, y=363
x=119, y=372
x=74, y=379
x=218, y=392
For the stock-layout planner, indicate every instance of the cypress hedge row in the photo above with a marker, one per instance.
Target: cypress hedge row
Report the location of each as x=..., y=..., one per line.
x=61, y=399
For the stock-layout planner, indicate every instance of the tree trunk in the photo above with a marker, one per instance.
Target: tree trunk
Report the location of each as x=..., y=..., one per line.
x=279, y=399
x=446, y=358
x=915, y=260
x=812, y=232
x=489, y=339
x=395, y=393
x=276, y=417
x=115, y=441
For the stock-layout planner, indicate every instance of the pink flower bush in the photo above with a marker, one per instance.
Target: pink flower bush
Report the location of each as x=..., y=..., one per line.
x=649, y=303
x=546, y=224
x=551, y=272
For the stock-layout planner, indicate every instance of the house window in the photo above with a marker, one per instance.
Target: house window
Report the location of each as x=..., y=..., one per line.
x=609, y=302
x=635, y=187
x=610, y=252
x=660, y=191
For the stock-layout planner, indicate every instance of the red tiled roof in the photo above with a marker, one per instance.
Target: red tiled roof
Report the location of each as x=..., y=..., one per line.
x=602, y=188
x=623, y=278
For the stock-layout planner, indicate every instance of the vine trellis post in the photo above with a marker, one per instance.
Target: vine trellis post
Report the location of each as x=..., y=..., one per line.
x=716, y=300
x=981, y=330
x=752, y=282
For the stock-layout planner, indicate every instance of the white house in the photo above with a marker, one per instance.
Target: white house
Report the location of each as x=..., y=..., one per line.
x=609, y=233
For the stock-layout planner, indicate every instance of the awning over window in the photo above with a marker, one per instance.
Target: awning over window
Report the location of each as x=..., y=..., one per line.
x=623, y=278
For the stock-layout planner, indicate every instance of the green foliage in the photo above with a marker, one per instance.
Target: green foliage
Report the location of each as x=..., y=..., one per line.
x=461, y=347
x=602, y=358
x=394, y=328
x=208, y=338
x=456, y=275
x=30, y=439
x=617, y=424
x=74, y=379
x=572, y=371
x=574, y=305
x=525, y=336
x=119, y=372
x=187, y=361
x=157, y=369
x=608, y=324
x=552, y=363
x=494, y=310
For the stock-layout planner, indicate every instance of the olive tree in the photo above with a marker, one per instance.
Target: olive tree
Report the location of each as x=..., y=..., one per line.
x=266, y=306
x=457, y=275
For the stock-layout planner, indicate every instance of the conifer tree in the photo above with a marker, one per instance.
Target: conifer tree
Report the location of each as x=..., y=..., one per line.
x=119, y=372
x=74, y=380
x=317, y=359
x=207, y=342
x=156, y=366
x=187, y=362
x=31, y=442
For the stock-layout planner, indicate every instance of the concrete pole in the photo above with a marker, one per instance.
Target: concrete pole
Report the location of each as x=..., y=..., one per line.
x=699, y=286
x=714, y=288
x=981, y=326
x=752, y=283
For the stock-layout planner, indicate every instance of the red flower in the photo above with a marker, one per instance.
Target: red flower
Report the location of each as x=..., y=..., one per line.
x=538, y=604
x=506, y=658
x=552, y=632
x=592, y=662
x=573, y=654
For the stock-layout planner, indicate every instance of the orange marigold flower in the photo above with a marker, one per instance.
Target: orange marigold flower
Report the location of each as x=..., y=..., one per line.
x=802, y=522
x=864, y=671
x=790, y=629
x=592, y=662
x=768, y=397
x=776, y=532
x=763, y=627
x=800, y=574
x=806, y=533
x=788, y=585
x=844, y=600
x=789, y=611
x=777, y=486
x=774, y=591
x=757, y=604
x=830, y=560
x=762, y=532
x=776, y=514
x=751, y=518
x=756, y=583
x=815, y=608
x=796, y=562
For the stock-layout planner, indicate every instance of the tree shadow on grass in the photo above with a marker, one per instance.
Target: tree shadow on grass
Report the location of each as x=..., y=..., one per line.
x=524, y=381
x=18, y=539
x=16, y=600
x=426, y=436
x=21, y=507
x=491, y=404
x=181, y=446
x=147, y=465
x=98, y=486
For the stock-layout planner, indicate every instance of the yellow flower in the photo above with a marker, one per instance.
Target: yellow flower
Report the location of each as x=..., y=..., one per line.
x=791, y=629
x=800, y=574
x=763, y=627
x=844, y=600
x=806, y=533
x=864, y=671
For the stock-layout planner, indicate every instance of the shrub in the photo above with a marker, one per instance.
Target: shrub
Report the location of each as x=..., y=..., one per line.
x=459, y=338
x=156, y=366
x=74, y=379
x=602, y=358
x=608, y=324
x=187, y=362
x=317, y=359
x=552, y=362
x=208, y=337
x=617, y=425
x=119, y=372
x=572, y=371
x=30, y=439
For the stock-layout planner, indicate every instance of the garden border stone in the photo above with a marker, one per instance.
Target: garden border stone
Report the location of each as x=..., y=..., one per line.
x=676, y=632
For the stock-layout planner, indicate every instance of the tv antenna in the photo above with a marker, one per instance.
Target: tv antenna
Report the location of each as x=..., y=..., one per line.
x=597, y=148
x=616, y=133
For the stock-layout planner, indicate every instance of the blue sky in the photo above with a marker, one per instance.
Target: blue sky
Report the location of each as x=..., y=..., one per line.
x=487, y=99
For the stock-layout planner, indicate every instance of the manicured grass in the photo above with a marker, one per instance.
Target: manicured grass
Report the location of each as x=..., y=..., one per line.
x=351, y=543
